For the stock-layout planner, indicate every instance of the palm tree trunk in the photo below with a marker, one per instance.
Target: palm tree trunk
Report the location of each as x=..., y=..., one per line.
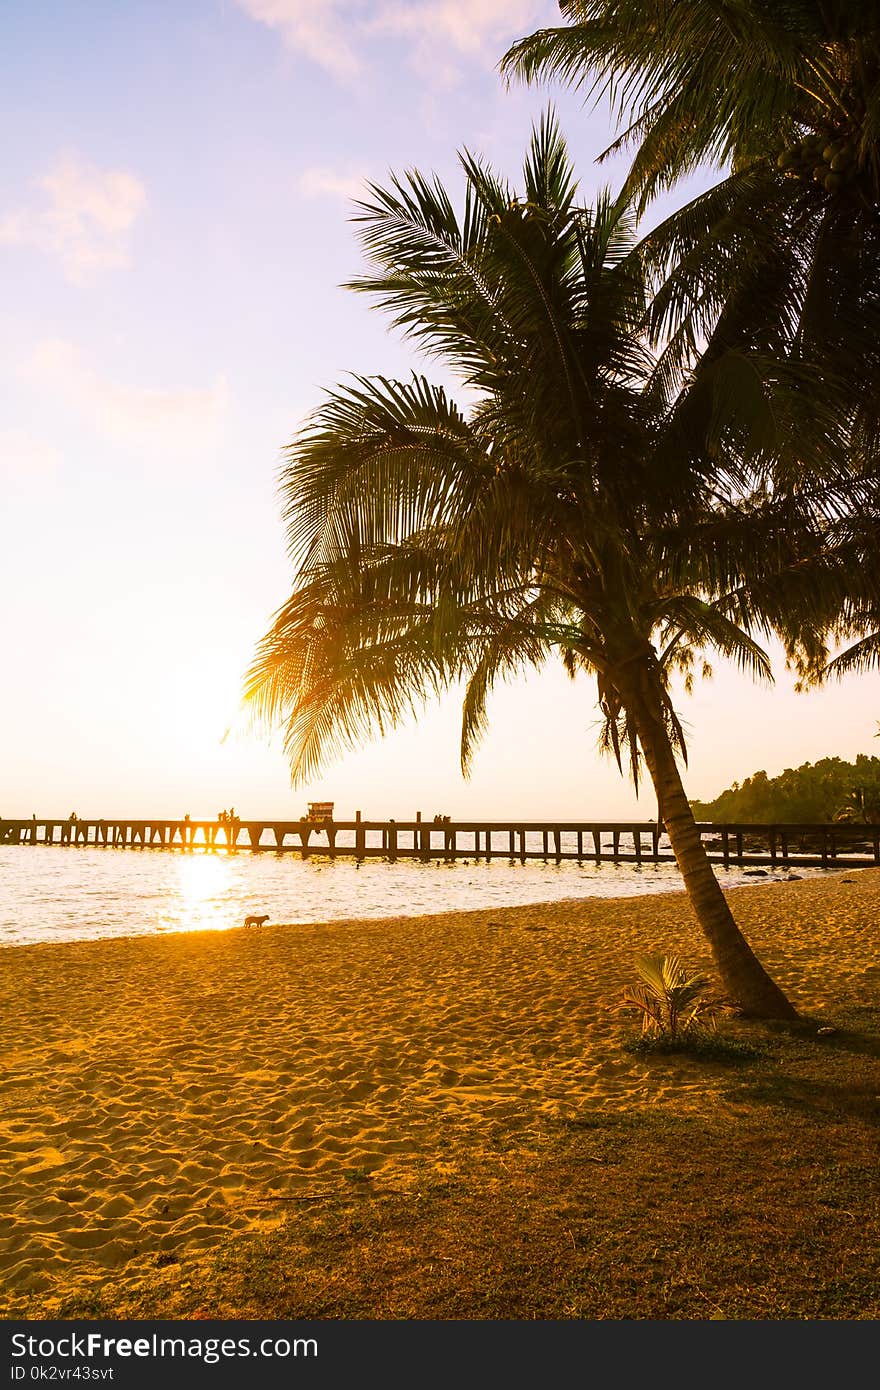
x=743, y=974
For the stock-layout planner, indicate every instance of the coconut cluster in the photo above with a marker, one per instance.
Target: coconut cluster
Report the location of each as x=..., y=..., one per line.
x=828, y=159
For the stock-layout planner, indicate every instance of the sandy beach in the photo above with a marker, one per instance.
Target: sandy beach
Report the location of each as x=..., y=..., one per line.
x=158, y=1095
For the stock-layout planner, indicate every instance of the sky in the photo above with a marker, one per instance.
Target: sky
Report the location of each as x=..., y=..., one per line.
x=174, y=232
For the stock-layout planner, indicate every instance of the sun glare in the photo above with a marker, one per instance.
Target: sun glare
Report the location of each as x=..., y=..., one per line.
x=201, y=902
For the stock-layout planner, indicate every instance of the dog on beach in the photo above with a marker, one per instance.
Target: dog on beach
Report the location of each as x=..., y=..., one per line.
x=254, y=921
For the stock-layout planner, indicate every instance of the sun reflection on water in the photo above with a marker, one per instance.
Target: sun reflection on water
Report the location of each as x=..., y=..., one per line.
x=200, y=900
x=61, y=894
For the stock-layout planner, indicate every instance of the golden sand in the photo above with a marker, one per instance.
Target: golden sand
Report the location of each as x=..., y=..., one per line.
x=158, y=1094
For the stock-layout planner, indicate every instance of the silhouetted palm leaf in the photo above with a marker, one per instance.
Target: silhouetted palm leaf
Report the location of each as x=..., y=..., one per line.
x=567, y=511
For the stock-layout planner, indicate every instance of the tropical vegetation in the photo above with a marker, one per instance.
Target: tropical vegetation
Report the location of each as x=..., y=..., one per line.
x=671, y=1001
x=780, y=259
x=830, y=789
x=571, y=509
x=785, y=100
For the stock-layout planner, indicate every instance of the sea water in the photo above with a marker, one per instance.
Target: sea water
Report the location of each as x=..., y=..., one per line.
x=67, y=894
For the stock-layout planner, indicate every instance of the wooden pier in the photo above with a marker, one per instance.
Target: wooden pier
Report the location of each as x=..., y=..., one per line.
x=619, y=842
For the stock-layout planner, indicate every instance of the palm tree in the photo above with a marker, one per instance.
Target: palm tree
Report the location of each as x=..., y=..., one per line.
x=570, y=510
x=716, y=81
x=785, y=250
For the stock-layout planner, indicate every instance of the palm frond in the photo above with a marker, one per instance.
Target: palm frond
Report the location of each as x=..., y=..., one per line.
x=583, y=504
x=863, y=655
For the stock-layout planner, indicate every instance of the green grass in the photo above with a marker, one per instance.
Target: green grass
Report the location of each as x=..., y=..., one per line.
x=710, y=1048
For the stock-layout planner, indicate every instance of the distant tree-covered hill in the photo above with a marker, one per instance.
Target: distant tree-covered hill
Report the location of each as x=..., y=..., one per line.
x=831, y=789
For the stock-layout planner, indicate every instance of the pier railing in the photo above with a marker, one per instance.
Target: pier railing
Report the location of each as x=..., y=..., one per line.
x=838, y=843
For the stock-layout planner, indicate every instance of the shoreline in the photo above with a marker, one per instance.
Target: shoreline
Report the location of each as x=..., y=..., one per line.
x=133, y=912
x=160, y=1093
x=350, y=921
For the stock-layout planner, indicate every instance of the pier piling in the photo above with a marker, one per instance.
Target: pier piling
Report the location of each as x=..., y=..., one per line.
x=777, y=846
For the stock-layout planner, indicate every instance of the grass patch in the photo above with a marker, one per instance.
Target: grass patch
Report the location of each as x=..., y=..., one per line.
x=713, y=1048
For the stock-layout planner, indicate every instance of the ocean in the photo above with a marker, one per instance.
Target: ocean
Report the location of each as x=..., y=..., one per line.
x=74, y=894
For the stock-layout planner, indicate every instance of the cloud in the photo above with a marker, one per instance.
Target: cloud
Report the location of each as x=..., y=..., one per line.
x=444, y=35
x=134, y=415
x=322, y=30
x=83, y=216
x=323, y=182
x=480, y=29
x=27, y=462
x=441, y=35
